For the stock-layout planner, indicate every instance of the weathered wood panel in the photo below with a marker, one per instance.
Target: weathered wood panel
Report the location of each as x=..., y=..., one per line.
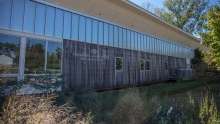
x=92, y=66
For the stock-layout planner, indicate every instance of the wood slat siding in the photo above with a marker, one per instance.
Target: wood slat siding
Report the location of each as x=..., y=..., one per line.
x=90, y=66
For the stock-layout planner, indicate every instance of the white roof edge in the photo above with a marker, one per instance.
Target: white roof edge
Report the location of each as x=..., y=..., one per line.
x=159, y=19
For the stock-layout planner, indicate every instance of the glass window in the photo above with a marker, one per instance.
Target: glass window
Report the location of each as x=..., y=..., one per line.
x=145, y=43
x=59, y=23
x=135, y=41
x=150, y=44
x=82, y=28
x=118, y=63
x=75, y=27
x=138, y=41
x=115, y=36
x=5, y=13
x=54, y=53
x=120, y=37
x=29, y=16
x=40, y=19
x=142, y=64
x=156, y=45
x=17, y=14
x=100, y=35
x=66, y=25
x=147, y=65
x=49, y=25
x=94, y=31
x=35, y=56
x=126, y=39
x=106, y=34
x=132, y=40
x=9, y=54
x=111, y=35
x=88, y=30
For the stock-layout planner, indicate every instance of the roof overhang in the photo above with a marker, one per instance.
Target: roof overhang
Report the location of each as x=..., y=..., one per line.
x=153, y=16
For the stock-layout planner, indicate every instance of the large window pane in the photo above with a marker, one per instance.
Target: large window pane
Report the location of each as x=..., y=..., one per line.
x=132, y=40
x=29, y=16
x=59, y=23
x=35, y=56
x=106, y=34
x=125, y=39
x=54, y=53
x=67, y=25
x=5, y=13
x=88, y=30
x=75, y=27
x=100, y=35
x=49, y=25
x=111, y=35
x=115, y=36
x=82, y=28
x=40, y=19
x=120, y=38
x=9, y=54
x=94, y=31
x=17, y=14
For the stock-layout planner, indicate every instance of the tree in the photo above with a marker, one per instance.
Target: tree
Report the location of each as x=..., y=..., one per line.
x=188, y=15
x=211, y=37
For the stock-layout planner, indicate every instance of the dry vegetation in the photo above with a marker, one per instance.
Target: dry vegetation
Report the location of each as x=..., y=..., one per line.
x=40, y=110
x=129, y=109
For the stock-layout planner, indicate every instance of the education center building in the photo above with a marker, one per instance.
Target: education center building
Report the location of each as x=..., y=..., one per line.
x=97, y=44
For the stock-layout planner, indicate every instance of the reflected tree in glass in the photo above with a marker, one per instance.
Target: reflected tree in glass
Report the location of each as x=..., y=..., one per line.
x=35, y=56
x=54, y=53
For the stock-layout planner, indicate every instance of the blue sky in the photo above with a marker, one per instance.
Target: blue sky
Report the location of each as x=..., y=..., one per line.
x=159, y=3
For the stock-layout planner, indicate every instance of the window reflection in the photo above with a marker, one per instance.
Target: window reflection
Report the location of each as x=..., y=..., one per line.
x=54, y=52
x=35, y=56
x=9, y=54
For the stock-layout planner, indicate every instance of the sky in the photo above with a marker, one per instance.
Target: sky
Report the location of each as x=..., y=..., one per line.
x=159, y=3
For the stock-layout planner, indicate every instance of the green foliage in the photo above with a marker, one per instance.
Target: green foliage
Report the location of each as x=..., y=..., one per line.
x=198, y=58
x=208, y=111
x=211, y=37
x=35, y=57
x=185, y=14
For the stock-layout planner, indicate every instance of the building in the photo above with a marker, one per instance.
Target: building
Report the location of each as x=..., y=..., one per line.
x=100, y=44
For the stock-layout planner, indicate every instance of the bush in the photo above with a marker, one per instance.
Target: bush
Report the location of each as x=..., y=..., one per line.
x=40, y=110
x=129, y=110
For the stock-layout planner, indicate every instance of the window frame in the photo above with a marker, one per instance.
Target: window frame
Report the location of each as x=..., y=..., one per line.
x=121, y=70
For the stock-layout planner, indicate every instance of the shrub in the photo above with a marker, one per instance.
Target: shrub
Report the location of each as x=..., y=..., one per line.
x=129, y=110
x=40, y=110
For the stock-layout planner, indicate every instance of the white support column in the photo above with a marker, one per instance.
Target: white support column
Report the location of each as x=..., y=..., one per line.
x=45, y=58
x=22, y=59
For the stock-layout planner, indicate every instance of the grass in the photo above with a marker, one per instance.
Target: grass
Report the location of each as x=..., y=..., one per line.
x=166, y=103
x=103, y=104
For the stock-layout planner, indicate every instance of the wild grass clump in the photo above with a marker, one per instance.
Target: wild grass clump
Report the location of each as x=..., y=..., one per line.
x=40, y=110
x=129, y=109
x=208, y=112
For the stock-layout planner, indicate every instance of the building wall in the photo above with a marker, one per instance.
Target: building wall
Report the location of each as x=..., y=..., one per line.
x=35, y=18
x=89, y=66
x=92, y=44
x=120, y=13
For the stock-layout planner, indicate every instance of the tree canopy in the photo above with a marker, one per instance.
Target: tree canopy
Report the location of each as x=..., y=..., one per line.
x=211, y=37
x=188, y=15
